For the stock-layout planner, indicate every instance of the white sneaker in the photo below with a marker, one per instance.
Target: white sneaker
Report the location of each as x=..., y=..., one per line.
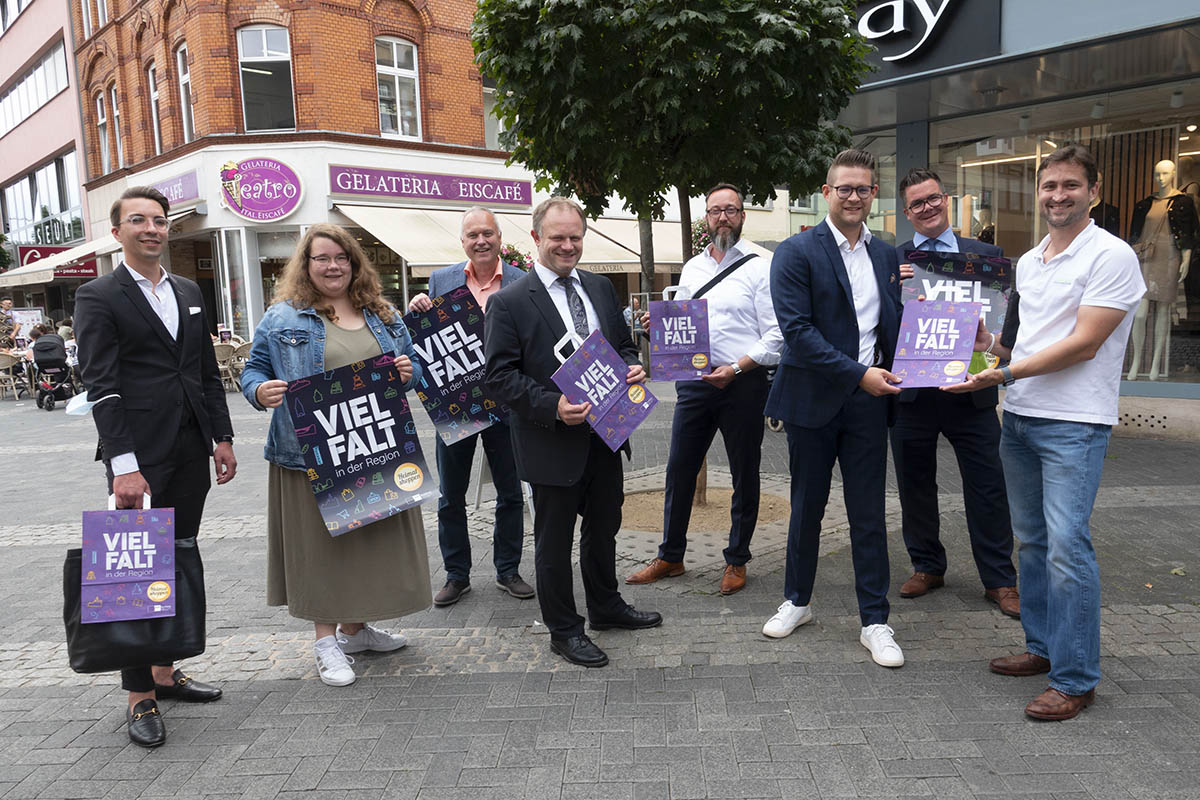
x=332, y=663
x=884, y=650
x=787, y=619
x=370, y=638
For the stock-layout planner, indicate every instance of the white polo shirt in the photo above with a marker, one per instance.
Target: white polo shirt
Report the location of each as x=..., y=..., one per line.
x=1098, y=269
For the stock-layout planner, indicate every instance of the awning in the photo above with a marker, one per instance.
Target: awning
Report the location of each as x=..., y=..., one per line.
x=428, y=239
x=43, y=271
x=668, y=246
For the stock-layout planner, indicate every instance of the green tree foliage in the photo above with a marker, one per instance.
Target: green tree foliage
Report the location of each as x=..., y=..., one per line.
x=5, y=256
x=636, y=96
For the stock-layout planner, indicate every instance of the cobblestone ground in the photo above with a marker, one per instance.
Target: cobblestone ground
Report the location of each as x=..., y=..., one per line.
x=476, y=707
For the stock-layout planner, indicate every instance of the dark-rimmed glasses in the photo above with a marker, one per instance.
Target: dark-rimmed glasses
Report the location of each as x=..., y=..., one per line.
x=844, y=191
x=933, y=201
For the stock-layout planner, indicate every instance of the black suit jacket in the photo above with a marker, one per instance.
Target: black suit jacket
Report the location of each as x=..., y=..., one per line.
x=127, y=356
x=984, y=398
x=521, y=328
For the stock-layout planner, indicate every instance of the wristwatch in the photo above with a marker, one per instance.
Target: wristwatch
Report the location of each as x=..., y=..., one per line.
x=737, y=369
x=1006, y=371
x=222, y=439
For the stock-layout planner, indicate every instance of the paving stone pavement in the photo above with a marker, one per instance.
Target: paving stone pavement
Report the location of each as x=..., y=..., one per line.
x=476, y=707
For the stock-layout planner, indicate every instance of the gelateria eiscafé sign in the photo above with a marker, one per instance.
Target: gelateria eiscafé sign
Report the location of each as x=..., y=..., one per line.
x=394, y=184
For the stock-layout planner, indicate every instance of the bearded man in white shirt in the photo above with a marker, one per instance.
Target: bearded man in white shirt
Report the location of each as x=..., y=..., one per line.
x=743, y=336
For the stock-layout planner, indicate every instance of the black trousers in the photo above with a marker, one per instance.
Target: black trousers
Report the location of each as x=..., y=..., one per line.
x=857, y=439
x=700, y=411
x=975, y=435
x=597, y=497
x=181, y=483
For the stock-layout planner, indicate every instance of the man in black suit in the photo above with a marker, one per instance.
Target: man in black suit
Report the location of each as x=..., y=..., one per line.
x=969, y=421
x=572, y=471
x=148, y=366
x=836, y=291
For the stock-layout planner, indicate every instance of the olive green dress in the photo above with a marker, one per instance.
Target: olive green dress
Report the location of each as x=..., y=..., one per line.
x=380, y=571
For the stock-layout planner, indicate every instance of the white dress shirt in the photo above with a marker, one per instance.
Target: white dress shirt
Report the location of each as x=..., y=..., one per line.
x=161, y=297
x=741, y=317
x=864, y=288
x=559, y=295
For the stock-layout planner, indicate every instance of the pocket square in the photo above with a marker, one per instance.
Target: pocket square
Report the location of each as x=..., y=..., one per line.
x=193, y=309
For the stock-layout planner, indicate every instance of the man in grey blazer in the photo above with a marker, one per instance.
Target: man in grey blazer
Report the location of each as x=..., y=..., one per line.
x=484, y=273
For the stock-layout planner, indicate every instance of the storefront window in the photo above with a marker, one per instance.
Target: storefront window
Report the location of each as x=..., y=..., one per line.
x=231, y=281
x=1148, y=149
x=809, y=210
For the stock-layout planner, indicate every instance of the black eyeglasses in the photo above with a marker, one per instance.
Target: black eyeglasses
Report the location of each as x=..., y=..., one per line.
x=729, y=211
x=933, y=201
x=845, y=191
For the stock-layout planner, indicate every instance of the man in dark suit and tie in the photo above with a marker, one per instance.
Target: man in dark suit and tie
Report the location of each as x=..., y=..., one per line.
x=970, y=423
x=484, y=273
x=836, y=293
x=147, y=362
x=573, y=472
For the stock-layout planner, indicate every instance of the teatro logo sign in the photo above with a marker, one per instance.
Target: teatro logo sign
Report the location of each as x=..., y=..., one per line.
x=260, y=189
x=897, y=18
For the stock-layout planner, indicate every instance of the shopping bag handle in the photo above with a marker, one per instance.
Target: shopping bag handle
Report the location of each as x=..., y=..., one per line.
x=112, y=501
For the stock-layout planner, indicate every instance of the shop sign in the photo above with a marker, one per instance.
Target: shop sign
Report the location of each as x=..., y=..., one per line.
x=28, y=254
x=260, y=189
x=470, y=189
x=181, y=189
x=912, y=36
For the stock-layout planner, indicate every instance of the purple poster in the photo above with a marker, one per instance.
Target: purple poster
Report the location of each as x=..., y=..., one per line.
x=937, y=339
x=679, y=340
x=449, y=343
x=359, y=443
x=260, y=189
x=128, y=565
x=470, y=189
x=961, y=278
x=596, y=374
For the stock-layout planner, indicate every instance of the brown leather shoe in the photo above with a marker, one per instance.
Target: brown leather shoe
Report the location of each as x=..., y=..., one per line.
x=1020, y=666
x=921, y=583
x=656, y=570
x=734, y=579
x=1007, y=598
x=1053, y=704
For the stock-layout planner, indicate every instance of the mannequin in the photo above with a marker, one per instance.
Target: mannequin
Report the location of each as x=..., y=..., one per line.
x=1107, y=215
x=1163, y=233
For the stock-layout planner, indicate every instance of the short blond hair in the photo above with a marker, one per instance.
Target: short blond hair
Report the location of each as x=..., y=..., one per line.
x=557, y=201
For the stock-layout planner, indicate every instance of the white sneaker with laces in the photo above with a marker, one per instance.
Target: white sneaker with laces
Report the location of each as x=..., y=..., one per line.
x=370, y=638
x=884, y=650
x=332, y=663
x=787, y=619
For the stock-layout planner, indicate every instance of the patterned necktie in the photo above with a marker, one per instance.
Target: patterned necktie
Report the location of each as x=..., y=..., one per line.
x=575, y=303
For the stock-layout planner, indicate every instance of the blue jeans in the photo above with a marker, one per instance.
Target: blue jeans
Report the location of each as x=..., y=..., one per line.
x=1052, y=469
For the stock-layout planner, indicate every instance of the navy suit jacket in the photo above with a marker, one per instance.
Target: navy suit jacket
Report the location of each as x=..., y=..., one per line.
x=447, y=279
x=984, y=398
x=810, y=289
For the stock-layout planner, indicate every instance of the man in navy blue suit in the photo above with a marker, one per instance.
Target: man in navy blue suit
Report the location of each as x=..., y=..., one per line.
x=484, y=273
x=968, y=421
x=836, y=291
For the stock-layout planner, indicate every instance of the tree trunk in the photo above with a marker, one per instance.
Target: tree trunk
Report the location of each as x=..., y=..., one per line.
x=685, y=222
x=646, y=239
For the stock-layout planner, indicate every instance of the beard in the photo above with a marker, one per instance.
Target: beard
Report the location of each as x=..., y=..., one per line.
x=725, y=238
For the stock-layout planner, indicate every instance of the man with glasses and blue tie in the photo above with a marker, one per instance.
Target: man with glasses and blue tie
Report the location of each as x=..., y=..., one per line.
x=836, y=290
x=969, y=422
x=743, y=335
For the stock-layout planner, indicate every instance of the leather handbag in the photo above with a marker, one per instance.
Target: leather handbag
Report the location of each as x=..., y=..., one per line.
x=113, y=646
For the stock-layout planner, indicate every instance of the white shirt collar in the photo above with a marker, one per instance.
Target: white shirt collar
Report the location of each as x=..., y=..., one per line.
x=549, y=276
x=946, y=237
x=1080, y=239
x=841, y=240
x=137, y=276
x=736, y=248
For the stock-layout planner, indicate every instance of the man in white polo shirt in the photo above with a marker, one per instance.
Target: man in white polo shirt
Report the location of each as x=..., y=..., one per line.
x=1078, y=288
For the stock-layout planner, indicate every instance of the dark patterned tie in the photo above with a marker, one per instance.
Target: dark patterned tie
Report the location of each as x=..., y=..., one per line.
x=575, y=303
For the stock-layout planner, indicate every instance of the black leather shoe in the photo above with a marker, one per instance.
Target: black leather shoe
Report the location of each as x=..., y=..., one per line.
x=146, y=728
x=630, y=619
x=579, y=650
x=187, y=690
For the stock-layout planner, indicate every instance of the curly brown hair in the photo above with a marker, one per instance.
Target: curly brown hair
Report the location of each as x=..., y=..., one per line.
x=295, y=287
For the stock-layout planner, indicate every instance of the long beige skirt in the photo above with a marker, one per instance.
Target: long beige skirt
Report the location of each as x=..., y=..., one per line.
x=380, y=571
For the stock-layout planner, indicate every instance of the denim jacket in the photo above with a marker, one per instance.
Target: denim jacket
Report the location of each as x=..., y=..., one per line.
x=290, y=344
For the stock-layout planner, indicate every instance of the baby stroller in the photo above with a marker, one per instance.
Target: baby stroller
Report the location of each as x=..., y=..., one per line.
x=51, y=374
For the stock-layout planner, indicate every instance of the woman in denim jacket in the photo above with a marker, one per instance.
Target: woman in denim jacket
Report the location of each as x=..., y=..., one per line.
x=328, y=311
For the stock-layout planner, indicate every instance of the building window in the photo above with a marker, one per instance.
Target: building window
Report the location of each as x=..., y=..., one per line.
x=152, y=93
x=492, y=126
x=32, y=90
x=102, y=133
x=116, y=124
x=266, y=67
x=101, y=13
x=10, y=10
x=399, y=96
x=185, y=93
x=43, y=206
x=85, y=12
